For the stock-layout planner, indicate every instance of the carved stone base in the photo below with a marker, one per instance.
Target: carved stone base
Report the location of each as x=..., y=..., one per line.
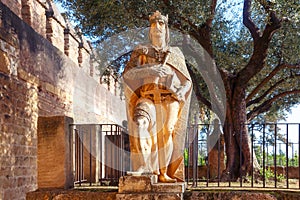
x=146, y=187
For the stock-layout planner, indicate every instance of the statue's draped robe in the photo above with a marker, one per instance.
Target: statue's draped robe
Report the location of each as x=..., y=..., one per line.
x=134, y=86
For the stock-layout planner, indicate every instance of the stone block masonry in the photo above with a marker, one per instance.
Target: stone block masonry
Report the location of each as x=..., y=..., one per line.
x=54, y=166
x=39, y=79
x=146, y=187
x=18, y=137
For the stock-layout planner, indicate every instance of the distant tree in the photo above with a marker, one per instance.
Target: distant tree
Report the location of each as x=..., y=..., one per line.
x=256, y=51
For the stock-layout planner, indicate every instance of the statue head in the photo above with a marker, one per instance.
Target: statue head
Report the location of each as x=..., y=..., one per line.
x=159, y=27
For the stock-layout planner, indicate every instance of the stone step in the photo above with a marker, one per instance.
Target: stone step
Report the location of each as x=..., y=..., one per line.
x=146, y=187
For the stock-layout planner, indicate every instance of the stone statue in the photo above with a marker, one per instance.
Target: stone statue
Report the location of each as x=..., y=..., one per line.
x=157, y=88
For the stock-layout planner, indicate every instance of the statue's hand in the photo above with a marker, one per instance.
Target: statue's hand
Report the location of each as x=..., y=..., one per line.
x=161, y=70
x=182, y=90
x=180, y=93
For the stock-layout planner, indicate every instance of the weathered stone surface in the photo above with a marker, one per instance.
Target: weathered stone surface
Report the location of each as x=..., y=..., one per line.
x=54, y=167
x=15, y=6
x=4, y=63
x=240, y=195
x=188, y=195
x=132, y=184
x=70, y=195
x=169, y=187
x=146, y=187
x=148, y=196
x=18, y=139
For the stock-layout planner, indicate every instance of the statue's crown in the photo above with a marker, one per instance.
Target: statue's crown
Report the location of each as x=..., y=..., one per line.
x=158, y=16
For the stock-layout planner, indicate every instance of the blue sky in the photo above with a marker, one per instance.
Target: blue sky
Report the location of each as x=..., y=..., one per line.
x=294, y=116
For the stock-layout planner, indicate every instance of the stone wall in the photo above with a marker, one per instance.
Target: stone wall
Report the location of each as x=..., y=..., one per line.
x=45, y=70
x=18, y=137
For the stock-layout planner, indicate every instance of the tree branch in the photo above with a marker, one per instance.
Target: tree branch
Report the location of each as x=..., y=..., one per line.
x=204, y=31
x=213, y=6
x=273, y=25
x=257, y=100
x=254, y=30
x=267, y=104
x=261, y=44
x=270, y=76
x=197, y=90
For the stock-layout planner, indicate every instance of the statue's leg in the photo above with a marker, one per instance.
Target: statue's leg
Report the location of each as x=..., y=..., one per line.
x=142, y=119
x=177, y=157
x=145, y=143
x=171, y=109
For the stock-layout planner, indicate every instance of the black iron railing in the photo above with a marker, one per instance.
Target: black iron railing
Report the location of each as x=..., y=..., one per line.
x=101, y=156
x=100, y=153
x=275, y=146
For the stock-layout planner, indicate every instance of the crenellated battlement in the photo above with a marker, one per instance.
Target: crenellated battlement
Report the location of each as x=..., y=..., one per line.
x=45, y=18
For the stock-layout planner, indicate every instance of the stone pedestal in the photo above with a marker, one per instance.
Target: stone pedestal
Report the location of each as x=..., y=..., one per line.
x=146, y=187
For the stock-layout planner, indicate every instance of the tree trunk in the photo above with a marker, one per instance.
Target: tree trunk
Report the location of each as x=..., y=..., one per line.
x=237, y=139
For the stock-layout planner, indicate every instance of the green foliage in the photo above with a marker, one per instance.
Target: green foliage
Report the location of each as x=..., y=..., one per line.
x=201, y=158
x=280, y=158
x=232, y=43
x=270, y=175
x=105, y=18
x=186, y=157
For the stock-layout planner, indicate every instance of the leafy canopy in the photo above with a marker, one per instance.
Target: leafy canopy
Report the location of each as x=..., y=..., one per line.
x=229, y=41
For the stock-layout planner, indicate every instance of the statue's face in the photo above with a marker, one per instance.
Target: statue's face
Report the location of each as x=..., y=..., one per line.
x=158, y=30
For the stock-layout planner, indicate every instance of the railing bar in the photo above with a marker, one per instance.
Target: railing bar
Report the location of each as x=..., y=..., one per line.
x=219, y=154
x=111, y=151
x=122, y=151
x=80, y=159
x=230, y=135
x=90, y=135
x=100, y=152
x=188, y=156
x=287, y=156
x=299, y=154
x=77, y=156
x=118, y=166
x=197, y=155
x=264, y=174
x=207, y=164
x=252, y=152
x=241, y=155
x=195, y=144
x=275, y=155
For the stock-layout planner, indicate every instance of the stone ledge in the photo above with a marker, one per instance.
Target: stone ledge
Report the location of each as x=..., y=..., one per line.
x=169, y=187
x=146, y=187
x=240, y=194
x=199, y=194
x=132, y=184
x=70, y=194
x=149, y=196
